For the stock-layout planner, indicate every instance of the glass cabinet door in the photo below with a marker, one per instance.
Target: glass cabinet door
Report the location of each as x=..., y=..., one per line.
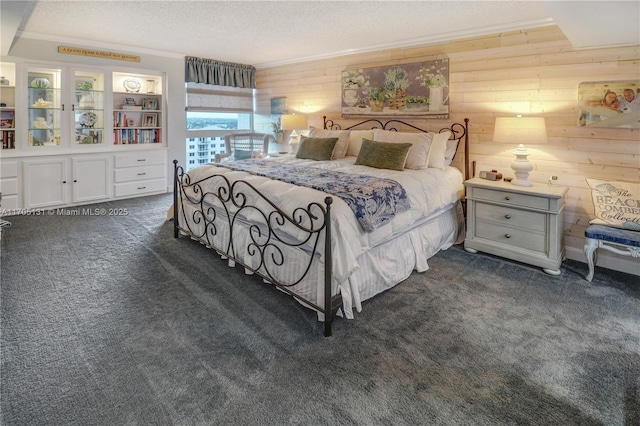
x=44, y=107
x=88, y=107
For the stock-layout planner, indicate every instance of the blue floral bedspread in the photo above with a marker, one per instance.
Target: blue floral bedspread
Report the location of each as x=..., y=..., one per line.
x=374, y=201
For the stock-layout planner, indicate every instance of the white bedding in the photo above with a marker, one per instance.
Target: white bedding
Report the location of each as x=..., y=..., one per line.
x=432, y=194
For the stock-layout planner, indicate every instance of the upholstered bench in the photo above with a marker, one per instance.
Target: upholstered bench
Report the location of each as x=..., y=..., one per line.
x=620, y=241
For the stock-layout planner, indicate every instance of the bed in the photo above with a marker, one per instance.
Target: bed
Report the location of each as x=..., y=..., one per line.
x=341, y=221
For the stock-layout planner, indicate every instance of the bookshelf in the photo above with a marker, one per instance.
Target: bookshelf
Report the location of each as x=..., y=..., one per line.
x=137, y=113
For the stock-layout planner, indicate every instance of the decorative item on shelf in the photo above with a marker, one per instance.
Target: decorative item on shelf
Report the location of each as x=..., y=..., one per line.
x=84, y=85
x=41, y=103
x=524, y=130
x=150, y=103
x=294, y=122
x=40, y=83
x=151, y=86
x=131, y=85
x=40, y=123
x=149, y=120
x=4, y=81
x=88, y=120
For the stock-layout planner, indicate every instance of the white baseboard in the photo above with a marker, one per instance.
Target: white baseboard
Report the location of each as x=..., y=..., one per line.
x=607, y=260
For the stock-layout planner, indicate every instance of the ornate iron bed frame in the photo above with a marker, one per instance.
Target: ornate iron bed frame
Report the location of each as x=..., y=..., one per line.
x=229, y=204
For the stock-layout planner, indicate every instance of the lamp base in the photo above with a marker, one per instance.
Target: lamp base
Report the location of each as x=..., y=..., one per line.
x=521, y=167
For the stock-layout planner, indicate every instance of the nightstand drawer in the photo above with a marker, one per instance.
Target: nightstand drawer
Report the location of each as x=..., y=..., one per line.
x=520, y=238
x=510, y=198
x=508, y=216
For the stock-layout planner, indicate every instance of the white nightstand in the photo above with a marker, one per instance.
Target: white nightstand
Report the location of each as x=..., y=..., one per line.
x=519, y=223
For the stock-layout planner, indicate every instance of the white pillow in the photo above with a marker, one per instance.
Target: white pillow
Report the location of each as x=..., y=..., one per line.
x=452, y=146
x=438, y=149
x=355, y=141
x=614, y=203
x=340, y=150
x=418, y=157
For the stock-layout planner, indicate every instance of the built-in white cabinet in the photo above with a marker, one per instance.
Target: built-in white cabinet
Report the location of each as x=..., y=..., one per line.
x=90, y=179
x=67, y=180
x=140, y=174
x=9, y=176
x=58, y=181
x=73, y=134
x=50, y=108
x=45, y=183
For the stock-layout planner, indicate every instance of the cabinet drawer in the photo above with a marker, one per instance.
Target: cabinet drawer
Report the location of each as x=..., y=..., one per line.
x=140, y=159
x=138, y=173
x=520, y=238
x=9, y=186
x=139, y=187
x=510, y=198
x=9, y=169
x=504, y=215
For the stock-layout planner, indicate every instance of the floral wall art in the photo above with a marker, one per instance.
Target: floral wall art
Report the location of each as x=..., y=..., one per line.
x=417, y=89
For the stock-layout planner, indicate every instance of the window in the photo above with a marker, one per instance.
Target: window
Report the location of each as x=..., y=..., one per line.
x=212, y=112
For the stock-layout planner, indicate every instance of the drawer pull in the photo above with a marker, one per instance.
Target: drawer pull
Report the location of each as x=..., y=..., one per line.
x=507, y=216
x=142, y=187
x=507, y=198
x=142, y=159
x=507, y=235
x=141, y=174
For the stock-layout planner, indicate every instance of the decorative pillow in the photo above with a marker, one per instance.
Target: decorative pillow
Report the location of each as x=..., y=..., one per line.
x=340, y=150
x=616, y=204
x=242, y=154
x=438, y=149
x=452, y=147
x=318, y=149
x=383, y=155
x=355, y=140
x=418, y=157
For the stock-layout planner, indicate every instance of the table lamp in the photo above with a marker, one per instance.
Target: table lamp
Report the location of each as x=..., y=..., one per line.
x=294, y=122
x=523, y=130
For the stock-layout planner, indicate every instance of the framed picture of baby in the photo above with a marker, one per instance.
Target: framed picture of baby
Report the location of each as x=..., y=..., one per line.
x=609, y=104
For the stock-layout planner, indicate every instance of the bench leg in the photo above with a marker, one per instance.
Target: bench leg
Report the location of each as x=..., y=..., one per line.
x=592, y=256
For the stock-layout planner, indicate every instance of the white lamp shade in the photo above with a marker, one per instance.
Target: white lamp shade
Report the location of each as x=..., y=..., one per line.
x=294, y=122
x=521, y=130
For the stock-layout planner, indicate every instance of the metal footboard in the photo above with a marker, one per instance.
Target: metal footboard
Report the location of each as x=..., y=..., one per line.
x=228, y=207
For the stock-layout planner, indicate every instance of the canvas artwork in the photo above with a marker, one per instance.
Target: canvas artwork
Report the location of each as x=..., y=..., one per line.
x=416, y=89
x=278, y=107
x=609, y=104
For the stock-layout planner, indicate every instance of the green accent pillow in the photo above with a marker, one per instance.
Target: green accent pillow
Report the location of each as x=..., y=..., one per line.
x=241, y=154
x=318, y=149
x=383, y=155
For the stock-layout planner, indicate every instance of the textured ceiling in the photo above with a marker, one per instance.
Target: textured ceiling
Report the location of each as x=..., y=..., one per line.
x=270, y=32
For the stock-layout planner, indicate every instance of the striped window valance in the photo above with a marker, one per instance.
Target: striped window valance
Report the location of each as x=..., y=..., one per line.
x=211, y=71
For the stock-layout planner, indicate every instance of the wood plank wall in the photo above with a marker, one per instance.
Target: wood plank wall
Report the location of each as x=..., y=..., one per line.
x=534, y=72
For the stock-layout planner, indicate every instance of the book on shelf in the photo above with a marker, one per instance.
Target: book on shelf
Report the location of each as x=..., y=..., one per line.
x=6, y=119
x=131, y=107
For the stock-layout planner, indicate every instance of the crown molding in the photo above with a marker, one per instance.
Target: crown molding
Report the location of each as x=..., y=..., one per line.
x=98, y=44
x=422, y=41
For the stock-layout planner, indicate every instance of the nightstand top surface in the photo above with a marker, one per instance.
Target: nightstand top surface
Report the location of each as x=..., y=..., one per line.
x=555, y=191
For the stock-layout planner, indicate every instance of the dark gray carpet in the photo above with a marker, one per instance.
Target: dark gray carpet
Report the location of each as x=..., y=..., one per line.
x=107, y=320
